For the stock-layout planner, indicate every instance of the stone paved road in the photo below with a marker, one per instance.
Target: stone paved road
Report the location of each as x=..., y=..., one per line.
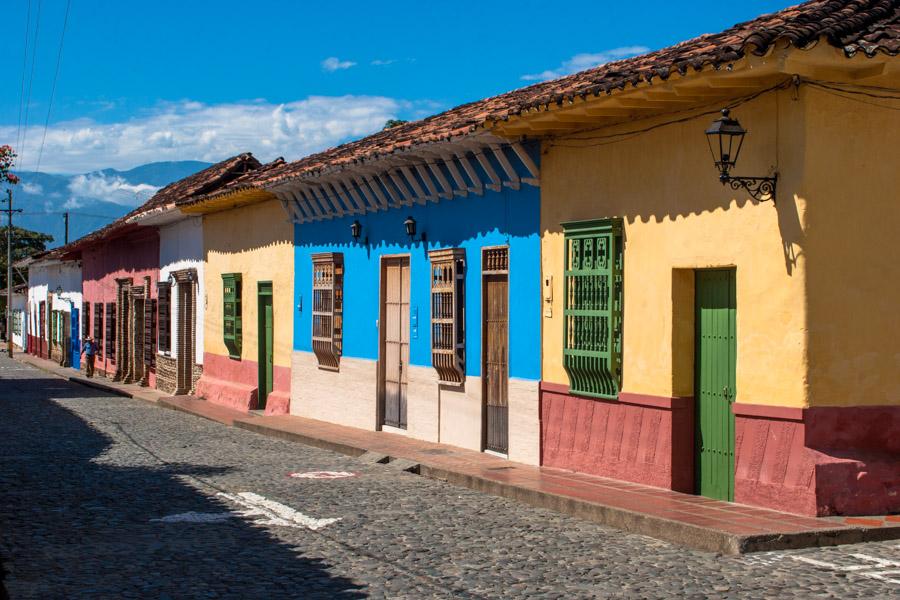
x=94, y=491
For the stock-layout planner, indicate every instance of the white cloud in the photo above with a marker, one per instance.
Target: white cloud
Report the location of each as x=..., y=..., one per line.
x=378, y=62
x=333, y=63
x=190, y=130
x=583, y=61
x=32, y=188
x=98, y=186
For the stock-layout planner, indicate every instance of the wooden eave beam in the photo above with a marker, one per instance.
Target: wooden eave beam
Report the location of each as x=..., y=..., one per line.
x=513, y=177
x=422, y=170
x=420, y=195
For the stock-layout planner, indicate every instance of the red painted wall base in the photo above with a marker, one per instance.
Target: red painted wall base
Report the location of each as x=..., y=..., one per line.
x=644, y=439
x=234, y=383
x=818, y=461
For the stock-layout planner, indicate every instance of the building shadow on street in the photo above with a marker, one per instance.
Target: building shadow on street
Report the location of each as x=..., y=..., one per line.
x=77, y=517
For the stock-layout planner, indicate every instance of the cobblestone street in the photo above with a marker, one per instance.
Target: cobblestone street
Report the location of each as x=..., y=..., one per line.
x=105, y=497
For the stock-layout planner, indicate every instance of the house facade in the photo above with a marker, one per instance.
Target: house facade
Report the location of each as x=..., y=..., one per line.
x=120, y=270
x=180, y=289
x=53, y=307
x=18, y=316
x=694, y=337
x=248, y=298
x=416, y=291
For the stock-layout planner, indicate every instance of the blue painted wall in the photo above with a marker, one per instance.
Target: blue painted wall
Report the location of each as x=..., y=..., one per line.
x=496, y=218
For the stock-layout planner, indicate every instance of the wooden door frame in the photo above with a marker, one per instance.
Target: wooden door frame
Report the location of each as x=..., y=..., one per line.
x=380, y=372
x=261, y=348
x=484, y=426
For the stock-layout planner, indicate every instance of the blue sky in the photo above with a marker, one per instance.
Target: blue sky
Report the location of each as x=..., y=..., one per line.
x=167, y=80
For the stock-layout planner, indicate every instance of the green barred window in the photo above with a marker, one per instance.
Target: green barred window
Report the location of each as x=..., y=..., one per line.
x=592, y=340
x=231, y=320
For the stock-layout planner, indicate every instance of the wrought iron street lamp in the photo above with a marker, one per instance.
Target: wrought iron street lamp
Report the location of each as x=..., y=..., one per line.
x=355, y=230
x=410, y=225
x=725, y=137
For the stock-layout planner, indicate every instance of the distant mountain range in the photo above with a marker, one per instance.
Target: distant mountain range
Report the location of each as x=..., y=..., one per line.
x=91, y=199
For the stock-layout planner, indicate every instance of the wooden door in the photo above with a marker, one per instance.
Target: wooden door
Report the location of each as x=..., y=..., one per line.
x=715, y=353
x=495, y=366
x=395, y=340
x=75, y=339
x=266, y=344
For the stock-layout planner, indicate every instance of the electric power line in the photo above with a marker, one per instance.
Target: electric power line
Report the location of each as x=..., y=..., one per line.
x=24, y=67
x=37, y=29
x=62, y=38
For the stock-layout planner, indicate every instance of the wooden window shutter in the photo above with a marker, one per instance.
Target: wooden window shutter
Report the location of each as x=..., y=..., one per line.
x=164, y=310
x=592, y=311
x=149, y=332
x=231, y=320
x=110, y=329
x=448, y=317
x=328, y=308
x=85, y=319
x=98, y=327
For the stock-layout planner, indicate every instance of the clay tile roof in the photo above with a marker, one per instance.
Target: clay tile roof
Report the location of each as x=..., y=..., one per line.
x=868, y=26
x=245, y=181
x=201, y=182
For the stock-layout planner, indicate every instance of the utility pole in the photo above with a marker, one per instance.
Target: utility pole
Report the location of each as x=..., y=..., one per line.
x=66, y=217
x=9, y=282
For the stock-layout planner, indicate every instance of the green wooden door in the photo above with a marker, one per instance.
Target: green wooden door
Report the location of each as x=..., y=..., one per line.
x=714, y=362
x=266, y=348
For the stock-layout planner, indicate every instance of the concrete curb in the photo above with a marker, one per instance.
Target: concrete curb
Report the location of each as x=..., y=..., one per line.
x=684, y=534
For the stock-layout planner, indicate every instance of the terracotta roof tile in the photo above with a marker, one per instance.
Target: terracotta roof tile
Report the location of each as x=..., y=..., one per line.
x=867, y=26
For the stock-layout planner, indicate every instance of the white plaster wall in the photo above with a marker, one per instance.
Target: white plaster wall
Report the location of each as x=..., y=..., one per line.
x=524, y=421
x=18, y=308
x=181, y=247
x=435, y=413
x=49, y=277
x=347, y=397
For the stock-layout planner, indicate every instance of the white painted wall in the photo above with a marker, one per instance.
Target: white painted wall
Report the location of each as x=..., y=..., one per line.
x=18, y=308
x=51, y=276
x=181, y=247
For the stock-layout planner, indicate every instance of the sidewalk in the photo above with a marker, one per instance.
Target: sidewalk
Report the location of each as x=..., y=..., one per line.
x=684, y=519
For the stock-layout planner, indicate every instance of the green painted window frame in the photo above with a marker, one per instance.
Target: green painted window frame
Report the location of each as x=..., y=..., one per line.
x=232, y=330
x=593, y=299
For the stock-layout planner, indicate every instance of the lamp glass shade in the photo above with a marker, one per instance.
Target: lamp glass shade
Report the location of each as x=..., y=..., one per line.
x=410, y=225
x=725, y=137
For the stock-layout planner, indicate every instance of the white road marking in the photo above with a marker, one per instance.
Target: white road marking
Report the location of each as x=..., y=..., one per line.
x=275, y=513
x=198, y=517
x=862, y=570
x=322, y=475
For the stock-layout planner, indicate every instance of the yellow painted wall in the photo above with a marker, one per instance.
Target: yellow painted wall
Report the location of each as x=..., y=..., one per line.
x=256, y=241
x=678, y=217
x=853, y=249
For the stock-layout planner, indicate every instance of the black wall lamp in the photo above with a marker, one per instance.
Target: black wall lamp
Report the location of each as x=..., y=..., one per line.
x=410, y=225
x=725, y=137
x=356, y=231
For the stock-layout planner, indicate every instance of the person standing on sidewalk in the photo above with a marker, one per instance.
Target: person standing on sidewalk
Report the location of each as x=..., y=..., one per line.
x=89, y=350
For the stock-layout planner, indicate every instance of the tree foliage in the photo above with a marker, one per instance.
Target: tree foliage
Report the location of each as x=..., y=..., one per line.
x=390, y=123
x=24, y=244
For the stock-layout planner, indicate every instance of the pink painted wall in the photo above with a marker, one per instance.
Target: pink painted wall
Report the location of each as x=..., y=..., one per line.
x=644, y=439
x=235, y=384
x=818, y=461
x=135, y=255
